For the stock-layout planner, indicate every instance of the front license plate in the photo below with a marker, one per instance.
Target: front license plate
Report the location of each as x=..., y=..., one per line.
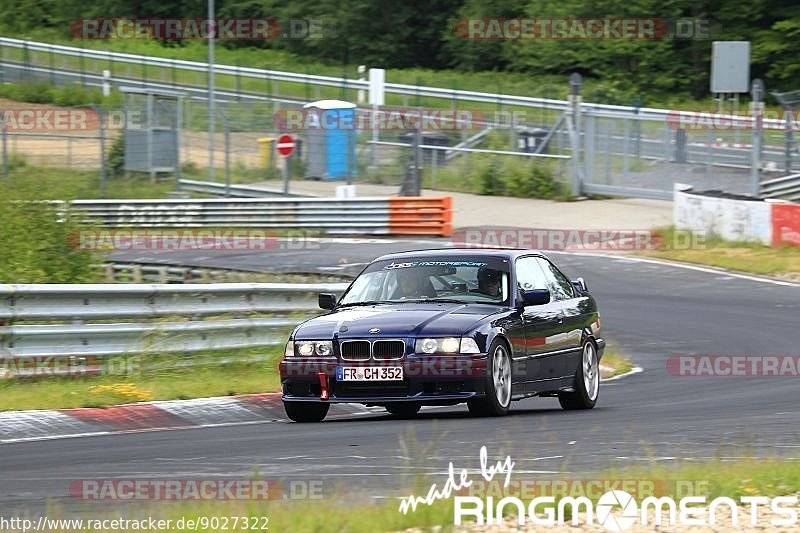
x=369, y=373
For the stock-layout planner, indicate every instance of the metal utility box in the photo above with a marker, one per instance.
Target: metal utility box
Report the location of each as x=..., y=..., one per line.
x=531, y=140
x=429, y=138
x=151, y=131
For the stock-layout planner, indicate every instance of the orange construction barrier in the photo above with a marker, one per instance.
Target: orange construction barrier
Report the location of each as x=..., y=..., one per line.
x=421, y=215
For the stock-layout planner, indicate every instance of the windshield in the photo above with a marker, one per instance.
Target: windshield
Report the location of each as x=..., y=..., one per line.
x=468, y=280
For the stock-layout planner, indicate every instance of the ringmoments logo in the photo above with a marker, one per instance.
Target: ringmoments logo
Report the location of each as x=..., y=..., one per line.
x=615, y=510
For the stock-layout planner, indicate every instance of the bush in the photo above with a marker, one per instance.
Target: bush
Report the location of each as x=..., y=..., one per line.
x=535, y=183
x=35, y=92
x=38, y=92
x=115, y=159
x=489, y=180
x=508, y=177
x=39, y=238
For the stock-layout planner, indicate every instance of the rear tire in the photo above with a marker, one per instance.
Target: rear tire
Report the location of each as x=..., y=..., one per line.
x=306, y=411
x=587, y=382
x=403, y=409
x=498, y=384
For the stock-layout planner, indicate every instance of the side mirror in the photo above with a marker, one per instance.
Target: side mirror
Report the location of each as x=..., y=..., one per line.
x=580, y=284
x=536, y=297
x=327, y=300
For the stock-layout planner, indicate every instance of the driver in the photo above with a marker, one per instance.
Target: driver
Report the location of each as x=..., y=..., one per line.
x=412, y=284
x=489, y=281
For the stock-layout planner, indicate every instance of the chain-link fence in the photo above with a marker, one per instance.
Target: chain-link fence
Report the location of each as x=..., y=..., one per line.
x=452, y=140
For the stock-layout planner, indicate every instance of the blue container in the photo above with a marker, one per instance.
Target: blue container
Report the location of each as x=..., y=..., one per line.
x=331, y=138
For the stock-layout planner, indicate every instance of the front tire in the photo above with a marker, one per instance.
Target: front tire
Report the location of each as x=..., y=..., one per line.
x=403, y=409
x=587, y=382
x=498, y=384
x=306, y=411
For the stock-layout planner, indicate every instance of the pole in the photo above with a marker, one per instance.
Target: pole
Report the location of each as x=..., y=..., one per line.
x=227, y=155
x=102, y=130
x=286, y=161
x=5, y=148
x=211, y=36
x=575, y=82
x=757, y=110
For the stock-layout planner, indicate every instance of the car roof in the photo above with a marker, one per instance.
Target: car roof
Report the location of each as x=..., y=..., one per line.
x=454, y=253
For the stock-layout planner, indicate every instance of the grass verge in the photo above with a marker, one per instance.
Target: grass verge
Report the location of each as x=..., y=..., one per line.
x=339, y=510
x=742, y=256
x=53, y=183
x=147, y=378
x=614, y=362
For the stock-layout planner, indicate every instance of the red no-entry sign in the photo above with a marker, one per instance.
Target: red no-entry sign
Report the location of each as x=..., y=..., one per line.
x=285, y=145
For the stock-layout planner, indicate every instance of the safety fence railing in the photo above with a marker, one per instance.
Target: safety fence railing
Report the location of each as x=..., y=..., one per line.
x=373, y=216
x=86, y=323
x=786, y=188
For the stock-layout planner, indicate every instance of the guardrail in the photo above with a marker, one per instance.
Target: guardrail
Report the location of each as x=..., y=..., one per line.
x=66, y=311
x=372, y=216
x=234, y=191
x=786, y=187
x=138, y=273
x=161, y=273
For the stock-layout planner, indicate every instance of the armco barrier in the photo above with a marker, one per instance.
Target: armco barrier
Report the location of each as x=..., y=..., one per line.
x=373, y=216
x=99, y=321
x=770, y=222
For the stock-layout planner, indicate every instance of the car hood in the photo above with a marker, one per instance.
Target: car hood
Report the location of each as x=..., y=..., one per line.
x=396, y=320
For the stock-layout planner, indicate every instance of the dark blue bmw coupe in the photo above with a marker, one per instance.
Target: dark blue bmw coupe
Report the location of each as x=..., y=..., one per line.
x=441, y=327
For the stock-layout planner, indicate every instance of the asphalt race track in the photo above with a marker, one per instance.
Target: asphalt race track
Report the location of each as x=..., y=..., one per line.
x=652, y=311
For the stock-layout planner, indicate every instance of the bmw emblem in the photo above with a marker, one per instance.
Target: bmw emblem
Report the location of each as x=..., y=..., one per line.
x=375, y=330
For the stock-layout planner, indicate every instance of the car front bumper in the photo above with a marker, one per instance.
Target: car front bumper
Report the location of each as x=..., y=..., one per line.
x=428, y=379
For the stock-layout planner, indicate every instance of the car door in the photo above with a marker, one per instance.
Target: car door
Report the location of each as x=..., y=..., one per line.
x=562, y=293
x=543, y=326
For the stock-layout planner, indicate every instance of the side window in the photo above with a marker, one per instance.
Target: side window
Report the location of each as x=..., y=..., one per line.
x=529, y=274
x=560, y=287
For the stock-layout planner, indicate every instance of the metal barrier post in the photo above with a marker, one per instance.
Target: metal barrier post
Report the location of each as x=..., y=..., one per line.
x=102, y=131
x=5, y=148
x=575, y=82
x=756, y=109
x=227, y=155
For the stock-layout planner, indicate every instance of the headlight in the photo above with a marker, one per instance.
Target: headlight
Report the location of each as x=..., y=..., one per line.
x=323, y=348
x=468, y=345
x=305, y=348
x=289, y=350
x=446, y=345
x=309, y=348
x=449, y=345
